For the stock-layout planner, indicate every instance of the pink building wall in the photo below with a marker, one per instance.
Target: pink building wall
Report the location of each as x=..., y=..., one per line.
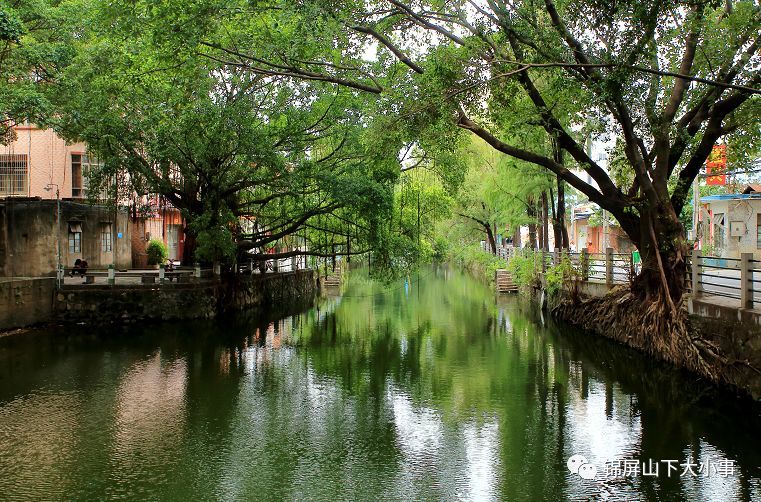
x=48, y=160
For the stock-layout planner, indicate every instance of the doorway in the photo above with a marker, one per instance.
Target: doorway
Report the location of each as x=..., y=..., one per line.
x=173, y=241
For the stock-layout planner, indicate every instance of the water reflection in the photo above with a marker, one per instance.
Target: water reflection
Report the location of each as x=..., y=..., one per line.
x=426, y=390
x=149, y=417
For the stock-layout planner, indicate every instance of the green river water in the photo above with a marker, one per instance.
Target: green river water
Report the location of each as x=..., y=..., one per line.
x=433, y=389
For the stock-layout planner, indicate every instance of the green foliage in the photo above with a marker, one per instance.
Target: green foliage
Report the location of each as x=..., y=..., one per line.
x=441, y=249
x=524, y=269
x=11, y=26
x=157, y=252
x=35, y=45
x=292, y=115
x=221, y=143
x=524, y=78
x=213, y=230
x=475, y=260
x=564, y=274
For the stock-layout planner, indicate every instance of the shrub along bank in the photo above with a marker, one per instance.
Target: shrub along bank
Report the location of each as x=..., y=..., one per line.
x=476, y=261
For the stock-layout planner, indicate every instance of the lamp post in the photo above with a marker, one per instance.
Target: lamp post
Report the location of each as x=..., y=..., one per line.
x=59, y=271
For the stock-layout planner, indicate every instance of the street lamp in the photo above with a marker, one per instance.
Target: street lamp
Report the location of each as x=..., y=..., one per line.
x=49, y=187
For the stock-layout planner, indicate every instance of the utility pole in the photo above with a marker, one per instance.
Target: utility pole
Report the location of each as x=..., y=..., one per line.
x=696, y=207
x=115, y=229
x=59, y=271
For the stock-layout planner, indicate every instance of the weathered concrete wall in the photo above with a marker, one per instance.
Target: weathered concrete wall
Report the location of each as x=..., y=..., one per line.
x=28, y=229
x=703, y=307
x=594, y=288
x=735, y=332
x=131, y=304
x=740, y=343
x=24, y=302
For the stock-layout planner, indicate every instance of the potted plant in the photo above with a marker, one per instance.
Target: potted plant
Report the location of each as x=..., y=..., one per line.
x=157, y=253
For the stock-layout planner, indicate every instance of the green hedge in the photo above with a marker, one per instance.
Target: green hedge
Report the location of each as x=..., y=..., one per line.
x=157, y=252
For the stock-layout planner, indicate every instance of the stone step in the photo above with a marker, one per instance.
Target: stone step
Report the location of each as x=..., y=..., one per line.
x=331, y=280
x=504, y=282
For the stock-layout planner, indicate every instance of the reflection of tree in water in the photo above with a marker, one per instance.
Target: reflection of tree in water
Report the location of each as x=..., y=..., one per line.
x=400, y=393
x=471, y=360
x=679, y=414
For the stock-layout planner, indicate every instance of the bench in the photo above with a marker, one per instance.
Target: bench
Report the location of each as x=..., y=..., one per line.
x=88, y=276
x=181, y=276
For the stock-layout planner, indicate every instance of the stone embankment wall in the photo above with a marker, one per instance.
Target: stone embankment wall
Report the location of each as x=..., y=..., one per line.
x=26, y=301
x=736, y=333
x=133, y=304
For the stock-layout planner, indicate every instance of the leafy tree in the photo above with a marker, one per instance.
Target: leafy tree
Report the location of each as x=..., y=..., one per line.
x=661, y=74
x=671, y=78
x=34, y=47
x=221, y=143
x=500, y=194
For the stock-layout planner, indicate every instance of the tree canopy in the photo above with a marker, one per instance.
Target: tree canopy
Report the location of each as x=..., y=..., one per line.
x=669, y=78
x=301, y=115
x=223, y=144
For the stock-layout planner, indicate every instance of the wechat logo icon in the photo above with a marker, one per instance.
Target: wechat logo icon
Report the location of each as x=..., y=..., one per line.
x=578, y=464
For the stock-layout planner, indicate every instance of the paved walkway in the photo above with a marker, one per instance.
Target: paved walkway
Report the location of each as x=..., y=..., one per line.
x=727, y=282
x=133, y=278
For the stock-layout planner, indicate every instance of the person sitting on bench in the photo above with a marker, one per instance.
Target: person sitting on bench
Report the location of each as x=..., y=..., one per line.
x=80, y=267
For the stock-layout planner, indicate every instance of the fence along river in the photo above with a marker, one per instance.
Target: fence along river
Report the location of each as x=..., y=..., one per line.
x=430, y=387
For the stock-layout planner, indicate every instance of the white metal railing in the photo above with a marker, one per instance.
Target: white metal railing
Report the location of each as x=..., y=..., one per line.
x=736, y=279
x=608, y=267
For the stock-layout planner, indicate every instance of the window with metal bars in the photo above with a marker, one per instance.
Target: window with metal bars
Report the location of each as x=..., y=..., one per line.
x=105, y=238
x=13, y=174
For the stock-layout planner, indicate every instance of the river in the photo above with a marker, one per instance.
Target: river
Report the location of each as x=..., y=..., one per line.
x=429, y=388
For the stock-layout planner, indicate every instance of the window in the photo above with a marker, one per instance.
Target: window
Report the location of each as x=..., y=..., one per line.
x=718, y=232
x=13, y=174
x=758, y=231
x=75, y=238
x=105, y=237
x=81, y=166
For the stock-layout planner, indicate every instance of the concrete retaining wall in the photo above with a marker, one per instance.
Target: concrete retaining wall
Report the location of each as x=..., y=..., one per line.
x=735, y=332
x=703, y=307
x=26, y=301
x=132, y=304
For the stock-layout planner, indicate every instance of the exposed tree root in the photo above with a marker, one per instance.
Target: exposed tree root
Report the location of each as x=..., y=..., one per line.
x=654, y=328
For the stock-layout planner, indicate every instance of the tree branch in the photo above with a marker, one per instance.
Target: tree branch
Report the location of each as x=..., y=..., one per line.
x=390, y=46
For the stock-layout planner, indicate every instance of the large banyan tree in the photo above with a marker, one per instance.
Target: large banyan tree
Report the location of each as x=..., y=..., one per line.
x=261, y=166
x=668, y=79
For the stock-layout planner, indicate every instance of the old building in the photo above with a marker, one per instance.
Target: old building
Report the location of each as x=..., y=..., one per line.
x=39, y=163
x=33, y=236
x=161, y=221
x=731, y=223
x=40, y=166
x=589, y=230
